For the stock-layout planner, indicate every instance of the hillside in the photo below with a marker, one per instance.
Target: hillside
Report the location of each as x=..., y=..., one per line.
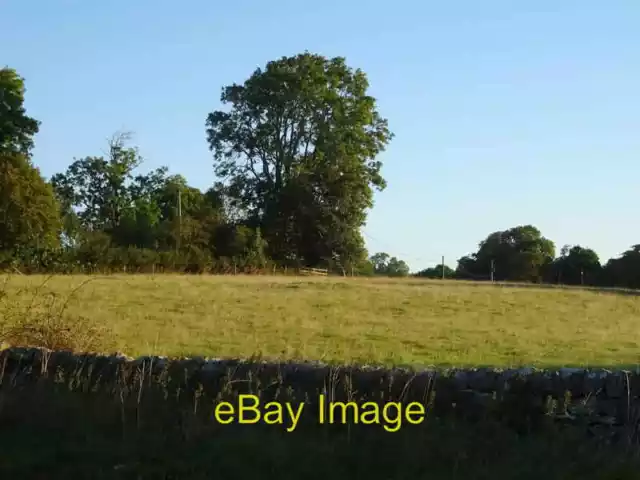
x=335, y=319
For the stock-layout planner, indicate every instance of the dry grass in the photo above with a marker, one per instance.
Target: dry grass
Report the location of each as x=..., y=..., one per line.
x=35, y=316
x=345, y=320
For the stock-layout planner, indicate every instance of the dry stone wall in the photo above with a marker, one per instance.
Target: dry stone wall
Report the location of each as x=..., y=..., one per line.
x=600, y=400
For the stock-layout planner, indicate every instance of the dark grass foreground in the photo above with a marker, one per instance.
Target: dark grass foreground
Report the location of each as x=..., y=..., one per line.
x=74, y=435
x=74, y=417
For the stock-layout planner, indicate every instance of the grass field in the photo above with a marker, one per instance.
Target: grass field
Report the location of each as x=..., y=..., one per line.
x=341, y=319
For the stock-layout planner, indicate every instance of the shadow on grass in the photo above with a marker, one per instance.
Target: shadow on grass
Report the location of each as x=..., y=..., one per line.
x=499, y=284
x=79, y=435
x=56, y=430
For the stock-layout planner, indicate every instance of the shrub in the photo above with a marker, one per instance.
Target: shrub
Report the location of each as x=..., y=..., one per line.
x=42, y=321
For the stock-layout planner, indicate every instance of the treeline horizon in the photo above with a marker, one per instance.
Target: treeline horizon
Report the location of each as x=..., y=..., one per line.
x=522, y=254
x=295, y=158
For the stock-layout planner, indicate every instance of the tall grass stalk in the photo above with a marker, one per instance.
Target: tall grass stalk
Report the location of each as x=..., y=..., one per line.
x=43, y=320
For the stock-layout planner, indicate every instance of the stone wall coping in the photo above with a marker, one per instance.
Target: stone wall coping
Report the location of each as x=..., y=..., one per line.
x=215, y=362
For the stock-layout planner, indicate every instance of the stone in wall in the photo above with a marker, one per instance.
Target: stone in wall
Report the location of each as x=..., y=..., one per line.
x=592, y=397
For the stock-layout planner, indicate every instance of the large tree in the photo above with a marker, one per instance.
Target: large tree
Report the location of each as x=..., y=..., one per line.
x=520, y=253
x=29, y=213
x=17, y=129
x=297, y=150
x=96, y=189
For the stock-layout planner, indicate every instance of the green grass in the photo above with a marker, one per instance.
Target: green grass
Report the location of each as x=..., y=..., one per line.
x=344, y=319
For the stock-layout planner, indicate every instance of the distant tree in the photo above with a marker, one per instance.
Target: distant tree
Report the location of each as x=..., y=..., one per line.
x=297, y=150
x=240, y=241
x=139, y=224
x=380, y=262
x=623, y=271
x=519, y=254
x=576, y=265
x=364, y=268
x=469, y=268
x=96, y=188
x=436, y=272
x=201, y=214
x=92, y=248
x=397, y=268
x=17, y=129
x=388, y=266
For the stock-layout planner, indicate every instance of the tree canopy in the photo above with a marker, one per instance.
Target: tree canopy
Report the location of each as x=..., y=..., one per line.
x=438, y=271
x=519, y=253
x=29, y=213
x=384, y=264
x=298, y=152
x=576, y=265
x=16, y=128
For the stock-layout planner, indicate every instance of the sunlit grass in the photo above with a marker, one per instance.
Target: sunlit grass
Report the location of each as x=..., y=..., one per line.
x=352, y=320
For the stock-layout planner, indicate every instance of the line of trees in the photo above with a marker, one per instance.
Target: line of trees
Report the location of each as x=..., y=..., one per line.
x=295, y=154
x=522, y=254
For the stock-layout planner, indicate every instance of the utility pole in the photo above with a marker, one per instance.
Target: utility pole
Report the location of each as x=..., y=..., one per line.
x=443, y=267
x=493, y=268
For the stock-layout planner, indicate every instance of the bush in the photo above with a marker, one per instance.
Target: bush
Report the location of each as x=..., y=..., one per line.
x=42, y=321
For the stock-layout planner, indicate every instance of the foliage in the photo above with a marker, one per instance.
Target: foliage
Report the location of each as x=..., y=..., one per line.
x=383, y=264
x=29, y=213
x=439, y=271
x=623, y=271
x=575, y=266
x=520, y=253
x=97, y=188
x=16, y=128
x=298, y=151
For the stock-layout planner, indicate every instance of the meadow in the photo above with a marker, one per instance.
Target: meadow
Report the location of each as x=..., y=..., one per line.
x=334, y=319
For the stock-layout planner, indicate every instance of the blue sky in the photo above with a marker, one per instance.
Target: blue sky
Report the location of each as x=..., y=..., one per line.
x=505, y=112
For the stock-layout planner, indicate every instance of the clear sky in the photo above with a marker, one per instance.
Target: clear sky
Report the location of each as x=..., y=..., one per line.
x=505, y=112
